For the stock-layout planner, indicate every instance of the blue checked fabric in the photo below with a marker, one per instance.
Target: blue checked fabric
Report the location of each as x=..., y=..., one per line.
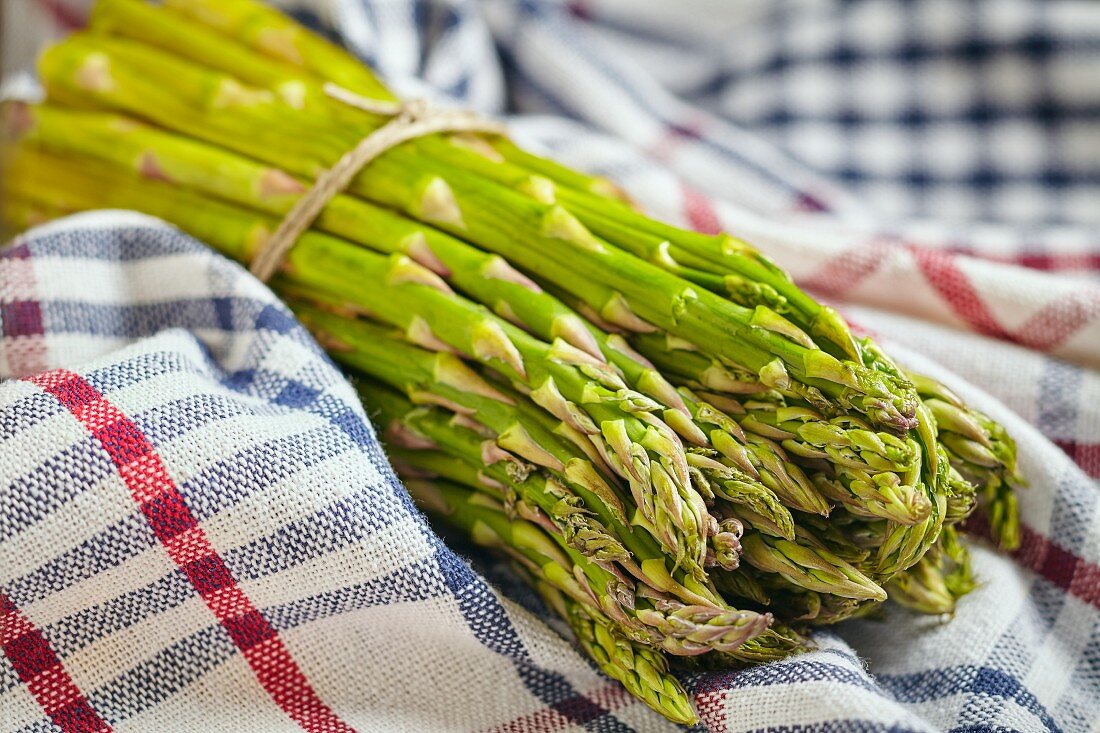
x=199, y=529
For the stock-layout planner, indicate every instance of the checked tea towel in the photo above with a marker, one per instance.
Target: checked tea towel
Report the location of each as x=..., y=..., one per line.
x=199, y=529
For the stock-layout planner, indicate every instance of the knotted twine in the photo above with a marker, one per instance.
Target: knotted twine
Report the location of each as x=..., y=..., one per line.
x=410, y=120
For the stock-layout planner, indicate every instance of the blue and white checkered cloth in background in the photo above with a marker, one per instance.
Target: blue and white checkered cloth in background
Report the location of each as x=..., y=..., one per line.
x=199, y=530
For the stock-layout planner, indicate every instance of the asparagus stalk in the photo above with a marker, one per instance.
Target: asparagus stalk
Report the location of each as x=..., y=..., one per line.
x=486, y=278
x=895, y=545
x=813, y=568
x=213, y=230
x=643, y=616
x=641, y=670
x=523, y=495
x=172, y=31
x=565, y=495
x=529, y=491
x=874, y=473
x=694, y=369
x=982, y=453
x=279, y=37
x=775, y=643
x=962, y=498
x=493, y=216
x=331, y=65
x=903, y=545
x=757, y=280
x=21, y=213
x=816, y=609
x=936, y=583
x=575, y=387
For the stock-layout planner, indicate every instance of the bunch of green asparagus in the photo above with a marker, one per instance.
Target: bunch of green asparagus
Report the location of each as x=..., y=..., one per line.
x=688, y=455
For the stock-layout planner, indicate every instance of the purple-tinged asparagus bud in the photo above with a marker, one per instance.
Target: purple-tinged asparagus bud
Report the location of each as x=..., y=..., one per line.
x=517, y=440
x=558, y=223
x=548, y=397
x=453, y=372
x=427, y=397
x=416, y=247
x=437, y=204
x=404, y=270
x=275, y=182
x=148, y=166
x=492, y=453
x=402, y=436
x=421, y=334
x=572, y=329
x=488, y=341
x=617, y=311
x=766, y=318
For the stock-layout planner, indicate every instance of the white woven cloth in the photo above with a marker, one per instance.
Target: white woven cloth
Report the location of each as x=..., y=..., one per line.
x=199, y=530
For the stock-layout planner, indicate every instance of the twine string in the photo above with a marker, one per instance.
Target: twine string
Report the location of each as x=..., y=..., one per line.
x=409, y=120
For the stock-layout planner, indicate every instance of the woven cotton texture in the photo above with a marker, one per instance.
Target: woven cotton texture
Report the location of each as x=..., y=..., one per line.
x=198, y=527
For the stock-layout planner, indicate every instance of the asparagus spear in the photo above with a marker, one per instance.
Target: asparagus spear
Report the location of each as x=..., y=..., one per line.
x=575, y=497
x=643, y=616
x=280, y=37
x=21, y=213
x=334, y=66
x=585, y=524
x=575, y=387
x=935, y=584
x=471, y=389
x=175, y=32
x=904, y=545
x=486, y=278
x=757, y=281
x=982, y=453
x=909, y=549
x=812, y=568
x=493, y=216
x=641, y=670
